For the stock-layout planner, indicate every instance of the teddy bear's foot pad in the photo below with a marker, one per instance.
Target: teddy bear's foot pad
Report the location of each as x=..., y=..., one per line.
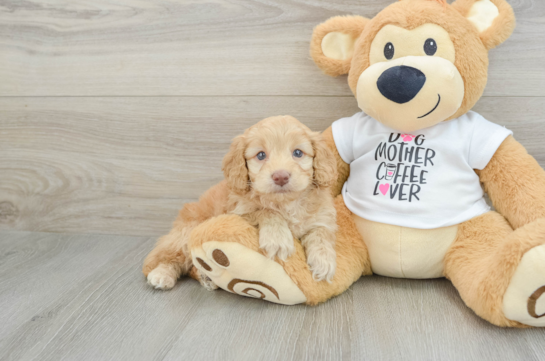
x=524, y=300
x=238, y=269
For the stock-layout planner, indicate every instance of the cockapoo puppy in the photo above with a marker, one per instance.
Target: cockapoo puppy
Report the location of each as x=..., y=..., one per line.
x=277, y=177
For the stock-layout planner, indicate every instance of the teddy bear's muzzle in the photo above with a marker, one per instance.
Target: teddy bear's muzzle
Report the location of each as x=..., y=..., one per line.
x=411, y=93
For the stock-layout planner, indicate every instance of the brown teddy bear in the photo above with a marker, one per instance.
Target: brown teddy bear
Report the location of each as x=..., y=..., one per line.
x=411, y=165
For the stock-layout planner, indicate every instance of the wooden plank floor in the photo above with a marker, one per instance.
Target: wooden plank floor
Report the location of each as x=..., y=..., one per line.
x=125, y=165
x=82, y=297
x=207, y=47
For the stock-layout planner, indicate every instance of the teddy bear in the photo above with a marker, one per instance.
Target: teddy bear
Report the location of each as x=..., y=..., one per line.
x=413, y=167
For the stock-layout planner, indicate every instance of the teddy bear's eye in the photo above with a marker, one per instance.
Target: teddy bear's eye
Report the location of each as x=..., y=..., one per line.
x=389, y=51
x=261, y=155
x=297, y=153
x=430, y=47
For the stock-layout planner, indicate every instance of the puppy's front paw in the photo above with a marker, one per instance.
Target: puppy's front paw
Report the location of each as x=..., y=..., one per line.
x=207, y=283
x=322, y=261
x=162, y=278
x=203, y=279
x=276, y=242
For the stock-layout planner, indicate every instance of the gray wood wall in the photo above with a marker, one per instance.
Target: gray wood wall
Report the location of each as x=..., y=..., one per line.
x=115, y=113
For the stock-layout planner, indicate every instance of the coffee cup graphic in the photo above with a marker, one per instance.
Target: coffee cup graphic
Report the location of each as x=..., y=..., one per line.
x=390, y=171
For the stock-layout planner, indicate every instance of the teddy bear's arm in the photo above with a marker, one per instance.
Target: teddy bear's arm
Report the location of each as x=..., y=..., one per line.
x=515, y=182
x=343, y=169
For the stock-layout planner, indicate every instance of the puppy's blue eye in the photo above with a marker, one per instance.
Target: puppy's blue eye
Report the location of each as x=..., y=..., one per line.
x=261, y=155
x=297, y=153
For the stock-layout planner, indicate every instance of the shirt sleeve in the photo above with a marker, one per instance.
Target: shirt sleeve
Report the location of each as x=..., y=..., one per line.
x=485, y=141
x=343, y=134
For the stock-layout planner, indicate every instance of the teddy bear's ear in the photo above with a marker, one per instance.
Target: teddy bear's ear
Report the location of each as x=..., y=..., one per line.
x=333, y=42
x=494, y=19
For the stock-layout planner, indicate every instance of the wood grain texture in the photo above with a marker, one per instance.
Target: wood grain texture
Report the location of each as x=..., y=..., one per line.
x=82, y=297
x=207, y=47
x=127, y=165
x=115, y=113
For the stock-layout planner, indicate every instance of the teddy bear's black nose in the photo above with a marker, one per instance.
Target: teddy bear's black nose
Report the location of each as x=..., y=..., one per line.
x=400, y=84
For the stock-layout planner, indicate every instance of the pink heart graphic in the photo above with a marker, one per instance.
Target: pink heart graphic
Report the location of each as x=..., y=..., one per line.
x=407, y=137
x=384, y=188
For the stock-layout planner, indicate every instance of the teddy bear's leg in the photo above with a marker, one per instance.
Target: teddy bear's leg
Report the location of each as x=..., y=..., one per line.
x=500, y=273
x=226, y=249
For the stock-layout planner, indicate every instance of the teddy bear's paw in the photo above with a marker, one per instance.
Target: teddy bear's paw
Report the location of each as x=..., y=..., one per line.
x=238, y=269
x=322, y=261
x=162, y=278
x=524, y=300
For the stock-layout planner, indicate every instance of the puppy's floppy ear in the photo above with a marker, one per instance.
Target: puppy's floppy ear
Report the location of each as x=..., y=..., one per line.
x=332, y=43
x=234, y=165
x=494, y=19
x=325, y=166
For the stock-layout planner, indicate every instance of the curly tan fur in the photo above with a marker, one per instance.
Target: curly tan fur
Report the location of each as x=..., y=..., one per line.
x=325, y=164
x=303, y=212
x=352, y=256
x=306, y=211
x=234, y=166
x=172, y=248
x=343, y=169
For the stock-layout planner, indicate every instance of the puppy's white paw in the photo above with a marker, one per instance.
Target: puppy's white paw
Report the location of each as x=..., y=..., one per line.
x=322, y=261
x=162, y=278
x=207, y=283
x=277, y=242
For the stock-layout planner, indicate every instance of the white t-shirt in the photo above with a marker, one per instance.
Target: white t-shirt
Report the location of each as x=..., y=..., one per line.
x=421, y=180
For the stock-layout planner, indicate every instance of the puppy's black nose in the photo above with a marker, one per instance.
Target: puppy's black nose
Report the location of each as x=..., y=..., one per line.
x=400, y=84
x=281, y=177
